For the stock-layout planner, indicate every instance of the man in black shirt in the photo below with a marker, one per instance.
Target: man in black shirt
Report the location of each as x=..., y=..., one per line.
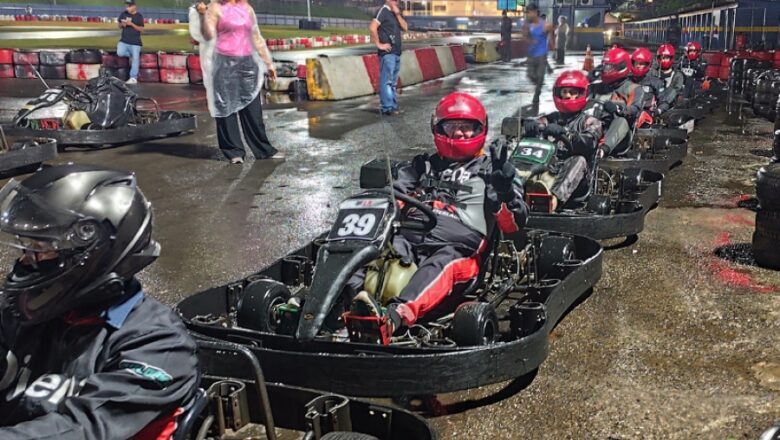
x=506, y=37
x=386, y=30
x=132, y=24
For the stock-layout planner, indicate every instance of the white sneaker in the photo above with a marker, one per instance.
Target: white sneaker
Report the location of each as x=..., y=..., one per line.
x=131, y=81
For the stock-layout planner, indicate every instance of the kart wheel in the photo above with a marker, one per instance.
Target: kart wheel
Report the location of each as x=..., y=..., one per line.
x=553, y=249
x=85, y=56
x=255, y=308
x=766, y=239
x=630, y=181
x=598, y=204
x=768, y=187
x=169, y=115
x=342, y=435
x=475, y=323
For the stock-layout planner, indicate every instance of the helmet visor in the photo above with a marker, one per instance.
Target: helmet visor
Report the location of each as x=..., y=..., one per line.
x=30, y=223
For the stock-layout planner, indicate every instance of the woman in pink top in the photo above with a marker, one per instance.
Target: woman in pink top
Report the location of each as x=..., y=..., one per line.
x=239, y=62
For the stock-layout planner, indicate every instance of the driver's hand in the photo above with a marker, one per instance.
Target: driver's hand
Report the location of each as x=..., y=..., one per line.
x=503, y=173
x=613, y=108
x=420, y=164
x=555, y=130
x=531, y=127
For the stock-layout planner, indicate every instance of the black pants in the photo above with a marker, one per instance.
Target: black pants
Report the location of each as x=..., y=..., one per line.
x=506, y=49
x=229, y=133
x=560, y=56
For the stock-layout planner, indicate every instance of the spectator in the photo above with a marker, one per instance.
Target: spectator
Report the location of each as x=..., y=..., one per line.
x=239, y=62
x=385, y=31
x=132, y=24
x=506, y=37
x=561, y=37
x=539, y=32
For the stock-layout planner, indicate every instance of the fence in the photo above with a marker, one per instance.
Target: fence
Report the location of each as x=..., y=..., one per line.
x=167, y=13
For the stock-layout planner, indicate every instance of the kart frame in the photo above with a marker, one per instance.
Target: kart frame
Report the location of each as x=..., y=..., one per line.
x=12, y=161
x=396, y=371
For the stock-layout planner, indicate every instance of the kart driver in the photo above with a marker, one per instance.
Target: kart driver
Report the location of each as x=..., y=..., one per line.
x=583, y=132
x=673, y=78
x=694, y=69
x=468, y=192
x=656, y=101
x=84, y=353
x=622, y=100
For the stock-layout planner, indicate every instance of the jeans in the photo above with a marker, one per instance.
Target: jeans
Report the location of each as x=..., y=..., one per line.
x=132, y=51
x=390, y=67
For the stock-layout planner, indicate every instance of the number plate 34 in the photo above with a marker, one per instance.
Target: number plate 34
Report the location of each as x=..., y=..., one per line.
x=359, y=219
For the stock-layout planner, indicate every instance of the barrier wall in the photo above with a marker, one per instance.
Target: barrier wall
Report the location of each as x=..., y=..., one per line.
x=487, y=51
x=336, y=78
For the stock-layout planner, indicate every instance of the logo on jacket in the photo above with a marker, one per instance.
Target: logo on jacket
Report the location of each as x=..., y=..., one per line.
x=141, y=369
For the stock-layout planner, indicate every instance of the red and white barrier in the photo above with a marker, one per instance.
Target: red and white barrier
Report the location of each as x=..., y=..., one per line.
x=336, y=78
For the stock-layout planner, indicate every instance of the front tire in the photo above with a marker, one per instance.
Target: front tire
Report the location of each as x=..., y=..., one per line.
x=475, y=323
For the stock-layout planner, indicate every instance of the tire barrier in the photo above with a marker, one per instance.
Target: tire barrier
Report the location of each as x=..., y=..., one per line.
x=85, y=56
x=24, y=57
x=113, y=61
x=7, y=56
x=174, y=76
x=172, y=61
x=82, y=72
x=7, y=71
x=149, y=75
x=148, y=61
x=122, y=73
x=53, y=72
x=53, y=57
x=25, y=71
x=81, y=18
x=336, y=78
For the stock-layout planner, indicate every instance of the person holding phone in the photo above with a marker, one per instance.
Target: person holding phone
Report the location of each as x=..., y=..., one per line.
x=385, y=31
x=132, y=24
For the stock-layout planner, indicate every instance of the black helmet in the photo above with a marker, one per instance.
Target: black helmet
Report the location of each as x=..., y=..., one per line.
x=84, y=230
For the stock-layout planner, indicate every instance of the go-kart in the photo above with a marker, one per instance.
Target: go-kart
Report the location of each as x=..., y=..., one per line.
x=610, y=203
x=653, y=148
x=234, y=393
x=291, y=314
x=104, y=113
x=18, y=156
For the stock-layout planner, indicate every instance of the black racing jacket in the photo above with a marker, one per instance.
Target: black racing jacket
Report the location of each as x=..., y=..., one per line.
x=106, y=377
x=674, y=81
x=695, y=69
x=630, y=97
x=584, y=133
x=655, y=97
x=462, y=198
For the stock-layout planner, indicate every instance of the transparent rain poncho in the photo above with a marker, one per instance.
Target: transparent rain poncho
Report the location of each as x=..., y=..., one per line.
x=231, y=82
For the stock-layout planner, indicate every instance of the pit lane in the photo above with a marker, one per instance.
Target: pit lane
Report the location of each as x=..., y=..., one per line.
x=673, y=343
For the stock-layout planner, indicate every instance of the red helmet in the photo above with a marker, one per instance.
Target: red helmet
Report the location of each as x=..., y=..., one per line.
x=693, y=50
x=574, y=79
x=641, y=55
x=617, y=65
x=464, y=107
x=666, y=50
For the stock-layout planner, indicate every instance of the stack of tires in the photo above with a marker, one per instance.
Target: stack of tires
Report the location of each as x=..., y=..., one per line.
x=725, y=67
x=53, y=64
x=149, y=71
x=6, y=63
x=711, y=58
x=752, y=70
x=26, y=62
x=766, y=238
x=117, y=66
x=767, y=87
x=194, y=69
x=83, y=64
x=737, y=74
x=173, y=68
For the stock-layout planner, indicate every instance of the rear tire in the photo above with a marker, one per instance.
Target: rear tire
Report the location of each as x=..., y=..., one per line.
x=475, y=323
x=766, y=239
x=255, y=308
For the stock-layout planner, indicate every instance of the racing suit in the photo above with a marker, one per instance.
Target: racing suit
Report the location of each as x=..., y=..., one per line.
x=466, y=205
x=124, y=374
x=693, y=72
x=629, y=100
x=572, y=165
x=675, y=84
x=656, y=101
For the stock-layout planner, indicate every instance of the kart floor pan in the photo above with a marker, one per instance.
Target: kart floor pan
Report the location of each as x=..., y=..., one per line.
x=602, y=227
x=21, y=159
x=661, y=162
x=381, y=371
x=111, y=137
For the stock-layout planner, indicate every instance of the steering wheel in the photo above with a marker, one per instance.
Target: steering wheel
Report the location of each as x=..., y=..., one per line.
x=76, y=93
x=430, y=217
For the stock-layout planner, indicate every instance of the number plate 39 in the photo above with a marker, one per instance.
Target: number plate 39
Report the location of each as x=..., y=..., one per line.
x=359, y=219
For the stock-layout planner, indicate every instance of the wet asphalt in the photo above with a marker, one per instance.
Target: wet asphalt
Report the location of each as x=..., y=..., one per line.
x=673, y=343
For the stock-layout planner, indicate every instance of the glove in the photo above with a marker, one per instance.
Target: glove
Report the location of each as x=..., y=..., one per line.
x=658, y=111
x=531, y=127
x=555, y=131
x=613, y=108
x=503, y=175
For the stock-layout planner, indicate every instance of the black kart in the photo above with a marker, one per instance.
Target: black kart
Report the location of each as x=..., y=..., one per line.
x=611, y=203
x=292, y=314
x=104, y=113
x=20, y=155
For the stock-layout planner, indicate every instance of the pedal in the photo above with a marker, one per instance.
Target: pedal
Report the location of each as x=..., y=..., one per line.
x=367, y=329
x=539, y=202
